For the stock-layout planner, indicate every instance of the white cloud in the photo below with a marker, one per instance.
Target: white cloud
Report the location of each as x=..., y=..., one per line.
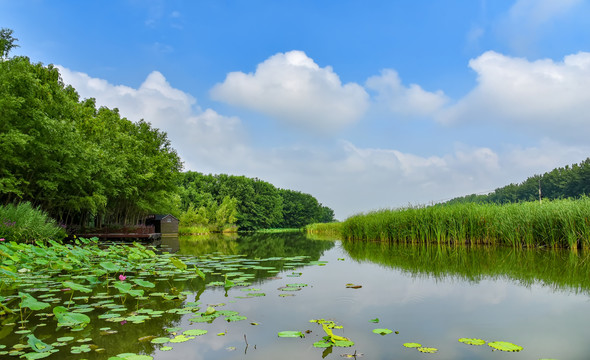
x=344, y=176
x=409, y=101
x=542, y=97
x=290, y=87
x=201, y=137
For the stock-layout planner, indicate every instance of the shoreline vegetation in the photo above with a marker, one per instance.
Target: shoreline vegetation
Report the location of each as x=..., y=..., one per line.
x=561, y=223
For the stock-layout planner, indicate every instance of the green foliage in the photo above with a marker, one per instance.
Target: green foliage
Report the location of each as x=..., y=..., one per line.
x=7, y=42
x=557, y=223
x=25, y=223
x=214, y=201
x=567, y=182
x=82, y=165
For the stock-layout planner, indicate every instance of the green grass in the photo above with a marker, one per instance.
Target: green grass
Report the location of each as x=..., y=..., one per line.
x=332, y=228
x=25, y=223
x=558, y=223
x=274, y=231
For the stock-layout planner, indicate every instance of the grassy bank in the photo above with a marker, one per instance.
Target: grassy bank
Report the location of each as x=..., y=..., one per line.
x=557, y=223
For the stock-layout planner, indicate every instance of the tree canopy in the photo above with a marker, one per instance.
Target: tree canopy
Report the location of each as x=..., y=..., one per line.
x=564, y=182
x=259, y=204
x=78, y=162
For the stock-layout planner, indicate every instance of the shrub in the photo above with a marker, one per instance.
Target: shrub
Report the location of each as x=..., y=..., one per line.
x=24, y=223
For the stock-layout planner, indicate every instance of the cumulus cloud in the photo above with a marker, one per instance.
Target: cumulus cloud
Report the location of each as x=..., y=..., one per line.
x=408, y=101
x=543, y=96
x=350, y=178
x=290, y=87
x=201, y=137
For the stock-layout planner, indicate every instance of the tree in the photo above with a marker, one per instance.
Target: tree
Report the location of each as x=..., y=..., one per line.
x=6, y=42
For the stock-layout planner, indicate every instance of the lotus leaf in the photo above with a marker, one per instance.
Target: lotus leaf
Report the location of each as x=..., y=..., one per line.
x=322, y=344
x=76, y=287
x=412, y=345
x=470, y=341
x=291, y=334
x=30, y=302
x=382, y=331
x=160, y=340
x=181, y=338
x=427, y=350
x=144, y=283
x=38, y=345
x=194, y=332
x=504, y=346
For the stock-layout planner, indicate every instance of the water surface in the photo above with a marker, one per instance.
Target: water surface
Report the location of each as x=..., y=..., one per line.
x=431, y=295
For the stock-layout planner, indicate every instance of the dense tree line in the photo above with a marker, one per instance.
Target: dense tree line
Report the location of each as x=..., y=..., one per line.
x=87, y=166
x=259, y=204
x=564, y=182
x=79, y=163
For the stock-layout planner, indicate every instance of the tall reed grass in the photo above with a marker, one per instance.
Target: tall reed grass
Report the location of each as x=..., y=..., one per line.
x=332, y=228
x=25, y=223
x=556, y=223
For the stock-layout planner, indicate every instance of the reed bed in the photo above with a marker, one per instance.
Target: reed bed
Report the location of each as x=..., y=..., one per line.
x=332, y=228
x=558, y=223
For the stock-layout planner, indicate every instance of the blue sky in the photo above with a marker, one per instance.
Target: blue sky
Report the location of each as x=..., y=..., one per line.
x=363, y=104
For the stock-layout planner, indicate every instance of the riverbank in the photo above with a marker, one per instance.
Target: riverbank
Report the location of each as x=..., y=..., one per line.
x=558, y=223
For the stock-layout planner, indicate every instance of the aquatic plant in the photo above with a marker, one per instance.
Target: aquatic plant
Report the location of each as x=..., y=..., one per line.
x=557, y=223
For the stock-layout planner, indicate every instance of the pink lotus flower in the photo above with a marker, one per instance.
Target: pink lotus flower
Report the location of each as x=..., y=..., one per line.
x=2, y=239
x=122, y=277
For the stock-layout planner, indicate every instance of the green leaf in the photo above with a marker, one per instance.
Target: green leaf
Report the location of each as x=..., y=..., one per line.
x=427, y=350
x=37, y=355
x=160, y=340
x=109, y=266
x=178, y=263
x=470, y=341
x=77, y=287
x=504, y=346
x=181, y=338
x=144, y=283
x=375, y=320
x=38, y=345
x=200, y=273
x=194, y=332
x=382, y=331
x=412, y=345
x=291, y=334
x=30, y=302
x=322, y=344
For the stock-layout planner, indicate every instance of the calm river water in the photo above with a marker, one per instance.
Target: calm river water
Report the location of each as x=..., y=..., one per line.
x=537, y=299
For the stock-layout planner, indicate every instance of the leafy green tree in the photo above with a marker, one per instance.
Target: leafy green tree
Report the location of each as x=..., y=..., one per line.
x=7, y=42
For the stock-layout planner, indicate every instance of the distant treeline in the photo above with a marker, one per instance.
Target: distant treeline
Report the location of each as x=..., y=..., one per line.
x=258, y=204
x=565, y=182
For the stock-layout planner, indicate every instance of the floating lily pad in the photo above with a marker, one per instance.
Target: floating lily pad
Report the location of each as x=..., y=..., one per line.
x=375, y=320
x=322, y=344
x=382, y=331
x=160, y=340
x=505, y=346
x=412, y=345
x=470, y=341
x=291, y=334
x=194, y=332
x=427, y=350
x=181, y=338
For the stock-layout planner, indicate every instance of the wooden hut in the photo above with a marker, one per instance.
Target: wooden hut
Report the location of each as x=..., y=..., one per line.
x=167, y=225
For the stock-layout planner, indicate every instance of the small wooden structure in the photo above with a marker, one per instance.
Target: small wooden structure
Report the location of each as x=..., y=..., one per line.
x=167, y=225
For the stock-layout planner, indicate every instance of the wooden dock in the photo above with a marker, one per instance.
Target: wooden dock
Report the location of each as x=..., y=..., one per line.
x=114, y=236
